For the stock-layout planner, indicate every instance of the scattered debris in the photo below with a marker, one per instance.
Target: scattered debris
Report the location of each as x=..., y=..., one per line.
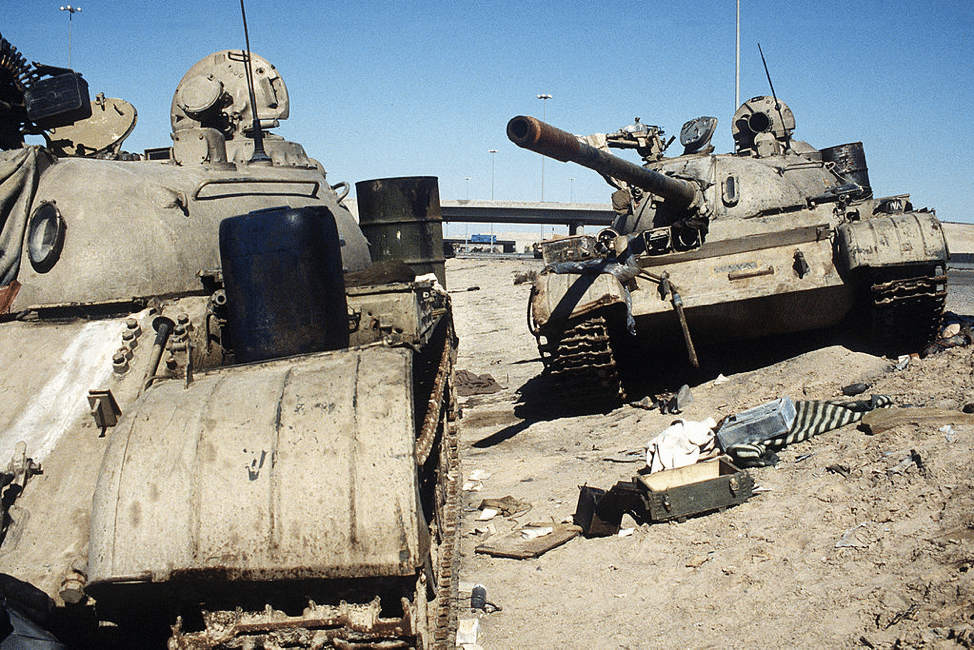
x=507, y=506
x=515, y=545
x=468, y=383
x=478, y=597
x=721, y=379
x=698, y=561
x=912, y=459
x=885, y=419
x=487, y=530
x=854, y=389
x=675, y=403
x=645, y=403
x=841, y=470
x=486, y=514
x=628, y=456
x=905, y=614
x=534, y=532
x=948, y=432
x=682, y=443
x=467, y=630
x=957, y=332
x=849, y=538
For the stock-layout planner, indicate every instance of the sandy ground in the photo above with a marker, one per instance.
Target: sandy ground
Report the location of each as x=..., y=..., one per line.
x=765, y=574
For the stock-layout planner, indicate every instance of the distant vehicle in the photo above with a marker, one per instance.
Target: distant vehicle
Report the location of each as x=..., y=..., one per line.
x=776, y=237
x=245, y=427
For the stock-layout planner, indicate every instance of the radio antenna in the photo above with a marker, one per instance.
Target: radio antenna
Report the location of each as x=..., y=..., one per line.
x=260, y=156
x=777, y=104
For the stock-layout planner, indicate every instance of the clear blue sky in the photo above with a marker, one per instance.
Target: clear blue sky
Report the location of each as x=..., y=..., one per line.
x=381, y=89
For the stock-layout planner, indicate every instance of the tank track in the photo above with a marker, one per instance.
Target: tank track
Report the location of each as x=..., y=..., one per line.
x=447, y=578
x=352, y=626
x=907, y=310
x=580, y=362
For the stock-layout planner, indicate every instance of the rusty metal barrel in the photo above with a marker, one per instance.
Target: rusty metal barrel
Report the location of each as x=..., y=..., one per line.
x=850, y=163
x=282, y=271
x=401, y=220
x=535, y=135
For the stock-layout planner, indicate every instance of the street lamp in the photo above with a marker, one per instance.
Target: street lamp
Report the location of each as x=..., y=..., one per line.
x=71, y=11
x=493, y=157
x=544, y=105
x=492, y=152
x=467, y=178
x=571, y=185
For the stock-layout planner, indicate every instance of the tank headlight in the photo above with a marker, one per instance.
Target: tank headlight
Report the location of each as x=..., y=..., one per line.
x=45, y=237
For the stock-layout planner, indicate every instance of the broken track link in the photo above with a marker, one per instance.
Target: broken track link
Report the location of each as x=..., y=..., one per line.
x=907, y=311
x=581, y=363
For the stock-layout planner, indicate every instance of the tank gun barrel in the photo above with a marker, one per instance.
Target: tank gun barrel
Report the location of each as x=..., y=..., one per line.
x=531, y=133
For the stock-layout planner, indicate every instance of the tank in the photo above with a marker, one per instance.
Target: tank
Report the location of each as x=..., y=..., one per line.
x=229, y=428
x=774, y=238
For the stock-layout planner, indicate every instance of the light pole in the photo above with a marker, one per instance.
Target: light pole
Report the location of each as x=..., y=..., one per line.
x=492, y=153
x=493, y=157
x=544, y=105
x=467, y=178
x=71, y=11
x=571, y=185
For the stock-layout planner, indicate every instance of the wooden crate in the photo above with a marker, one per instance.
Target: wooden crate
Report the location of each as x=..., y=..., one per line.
x=694, y=489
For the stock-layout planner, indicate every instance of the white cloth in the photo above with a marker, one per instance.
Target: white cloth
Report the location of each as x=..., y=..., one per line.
x=680, y=444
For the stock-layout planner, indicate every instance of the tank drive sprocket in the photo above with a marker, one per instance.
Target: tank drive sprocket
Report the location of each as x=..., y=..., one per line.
x=907, y=306
x=581, y=363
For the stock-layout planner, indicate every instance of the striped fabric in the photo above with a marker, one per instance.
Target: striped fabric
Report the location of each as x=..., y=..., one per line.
x=811, y=419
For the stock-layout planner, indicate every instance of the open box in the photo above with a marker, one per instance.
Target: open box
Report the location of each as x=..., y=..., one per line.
x=695, y=489
x=670, y=494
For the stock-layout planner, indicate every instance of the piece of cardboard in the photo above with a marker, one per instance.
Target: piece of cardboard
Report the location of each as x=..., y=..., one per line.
x=514, y=545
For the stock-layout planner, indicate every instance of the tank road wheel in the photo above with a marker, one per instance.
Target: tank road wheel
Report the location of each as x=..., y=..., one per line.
x=907, y=304
x=581, y=363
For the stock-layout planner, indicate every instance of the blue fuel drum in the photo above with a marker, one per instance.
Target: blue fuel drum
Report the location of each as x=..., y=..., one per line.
x=282, y=272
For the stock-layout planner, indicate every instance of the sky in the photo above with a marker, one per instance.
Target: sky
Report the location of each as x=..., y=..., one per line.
x=385, y=89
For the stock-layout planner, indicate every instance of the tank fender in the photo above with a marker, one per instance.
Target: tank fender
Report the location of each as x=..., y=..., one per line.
x=301, y=468
x=564, y=296
x=911, y=238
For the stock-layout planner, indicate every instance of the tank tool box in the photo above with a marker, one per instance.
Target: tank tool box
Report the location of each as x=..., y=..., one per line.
x=671, y=494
